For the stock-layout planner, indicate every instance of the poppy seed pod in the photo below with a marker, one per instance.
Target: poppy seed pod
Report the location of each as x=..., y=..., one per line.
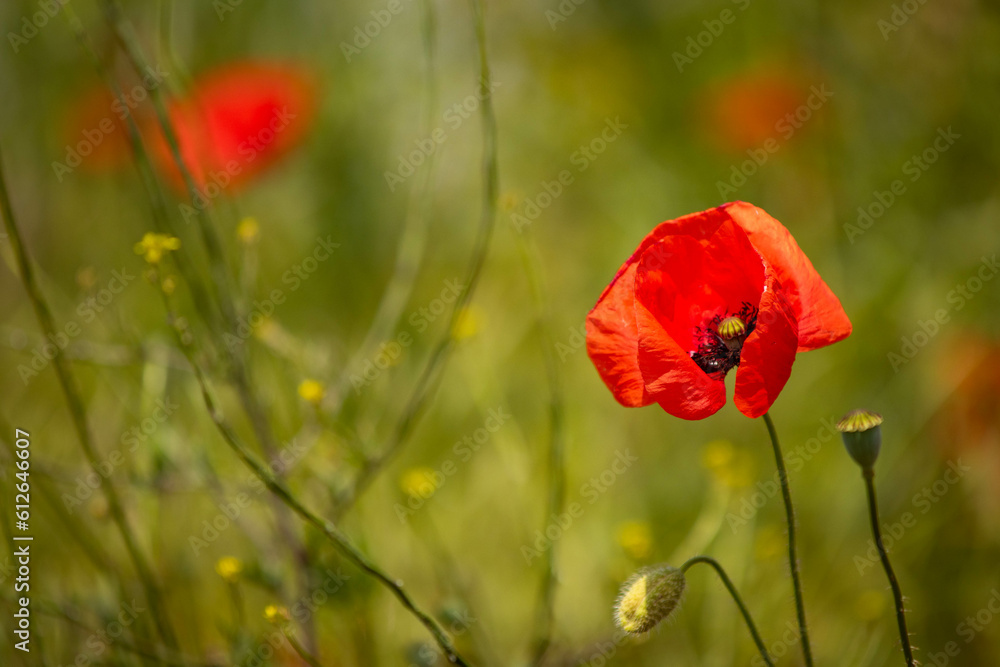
x=648, y=597
x=862, y=434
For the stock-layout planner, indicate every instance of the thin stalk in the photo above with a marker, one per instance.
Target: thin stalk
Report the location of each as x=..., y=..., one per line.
x=544, y=613
x=897, y=592
x=277, y=487
x=793, y=563
x=300, y=649
x=410, y=253
x=727, y=582
x=78, y=415
x=428, y=379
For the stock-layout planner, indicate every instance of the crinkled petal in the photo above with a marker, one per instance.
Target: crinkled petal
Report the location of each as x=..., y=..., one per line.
x=822, y=320
x=613, y=341
x=674, y=381
x=768, y=353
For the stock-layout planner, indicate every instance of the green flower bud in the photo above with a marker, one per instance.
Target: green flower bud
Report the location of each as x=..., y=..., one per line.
x=862, y=434
x=648, y=597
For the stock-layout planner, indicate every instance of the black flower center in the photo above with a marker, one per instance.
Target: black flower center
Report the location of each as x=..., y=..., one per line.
x=721, y=341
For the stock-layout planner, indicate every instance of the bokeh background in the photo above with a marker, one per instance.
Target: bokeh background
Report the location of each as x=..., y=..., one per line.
x=611, y=117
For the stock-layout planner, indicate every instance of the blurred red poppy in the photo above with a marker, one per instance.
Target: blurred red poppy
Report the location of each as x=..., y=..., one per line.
x=745, y=111
x=704, y=294
x=237, y=121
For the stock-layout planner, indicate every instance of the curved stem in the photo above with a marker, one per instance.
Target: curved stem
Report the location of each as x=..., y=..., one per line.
x=793, y=562
x=78, y=415
x=429, y=377
x=727, y=582
x=277, y=487
x=897, y=593
x=545, y=608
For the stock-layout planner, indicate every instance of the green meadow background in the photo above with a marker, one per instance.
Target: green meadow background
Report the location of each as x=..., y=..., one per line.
x=868, y=128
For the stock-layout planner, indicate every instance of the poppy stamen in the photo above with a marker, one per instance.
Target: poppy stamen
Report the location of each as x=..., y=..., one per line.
x=721, y=341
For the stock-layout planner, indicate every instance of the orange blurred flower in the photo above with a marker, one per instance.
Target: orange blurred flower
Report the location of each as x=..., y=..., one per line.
x=744, y=111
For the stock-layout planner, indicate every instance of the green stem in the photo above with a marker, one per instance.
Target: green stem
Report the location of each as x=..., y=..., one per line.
x=300, y=649
x=793, y=563
x=277, y=487
x=727, y=582
x=545, y=613
x=428, y=379
x=78, y=415
x=897, y=593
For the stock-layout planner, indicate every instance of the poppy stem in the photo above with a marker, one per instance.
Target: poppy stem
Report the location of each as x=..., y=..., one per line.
x=793, y=562
x=727, y=582
x=897, y=593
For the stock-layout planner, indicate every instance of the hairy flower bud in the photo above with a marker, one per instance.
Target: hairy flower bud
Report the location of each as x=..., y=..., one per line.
x=648, y=597
x=862, y=434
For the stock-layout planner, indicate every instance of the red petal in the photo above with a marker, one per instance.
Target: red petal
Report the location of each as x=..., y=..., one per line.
x=612, y=333
x=821, y=318
x=238, y=120
x=612, y=341
x=686, y=280
x=671, y=377
x=768, y=353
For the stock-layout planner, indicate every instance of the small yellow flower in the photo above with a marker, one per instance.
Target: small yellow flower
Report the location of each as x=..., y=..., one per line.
x=248, y=230
x=229, y=568
x=467, y=324
x=730, y=466
x=419, y=482
x=507, y=201
x=770, y=542
x=276, y=614
x=636, y=539
x=311, y=391
x=154, y=246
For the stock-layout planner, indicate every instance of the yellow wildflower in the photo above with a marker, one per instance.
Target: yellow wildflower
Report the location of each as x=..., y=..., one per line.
x=311, y=391
x=419, y=482
x=229, y=568
x=635, y=538
x=276, y=614
x=154, y=246
x=248, y=230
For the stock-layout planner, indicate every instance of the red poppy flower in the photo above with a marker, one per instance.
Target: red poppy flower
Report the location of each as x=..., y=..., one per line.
x=236, y=121
x=704, y=294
